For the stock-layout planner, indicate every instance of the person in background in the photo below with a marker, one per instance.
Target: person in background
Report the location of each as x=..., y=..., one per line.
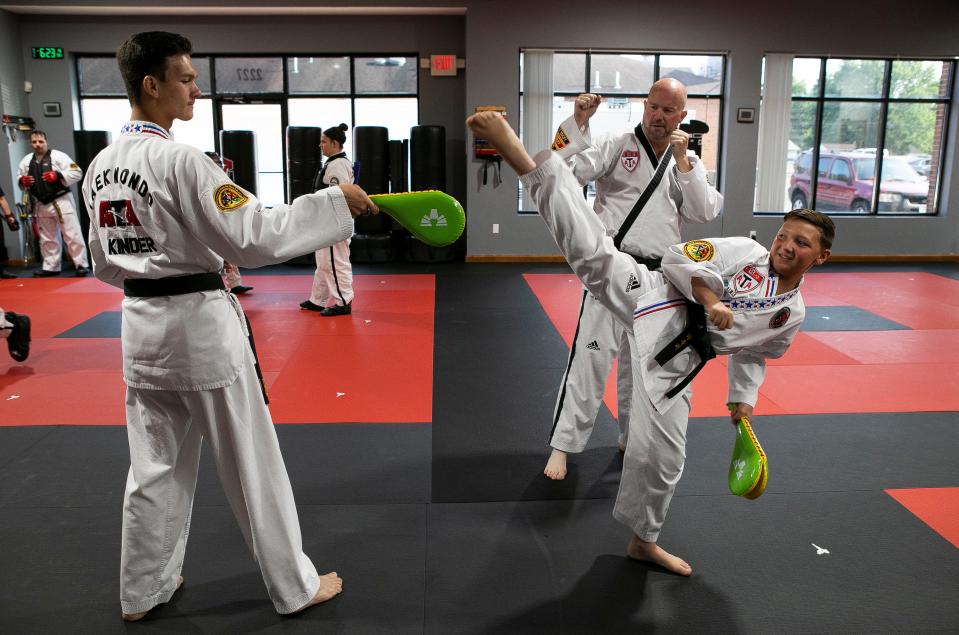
x=48, y=174
x=14, y=226
x=333, y=280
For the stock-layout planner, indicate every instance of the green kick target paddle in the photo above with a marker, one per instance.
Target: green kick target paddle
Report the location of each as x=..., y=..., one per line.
x=433, y=216
x=748, y=469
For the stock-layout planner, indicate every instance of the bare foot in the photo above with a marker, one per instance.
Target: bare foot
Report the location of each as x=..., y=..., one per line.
x=556, y=466
x=651, y=552
x=134, y=617
x=492, y=127
x=331, y=585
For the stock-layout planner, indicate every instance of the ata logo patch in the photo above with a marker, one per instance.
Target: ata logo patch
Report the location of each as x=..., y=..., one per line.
x=699, y=250
x=560, y=141
x=780, y=318
x=228, y=197
x=630, y=159
x=746, y=280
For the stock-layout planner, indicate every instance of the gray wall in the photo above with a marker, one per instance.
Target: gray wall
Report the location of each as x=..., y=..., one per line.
x=491, y=35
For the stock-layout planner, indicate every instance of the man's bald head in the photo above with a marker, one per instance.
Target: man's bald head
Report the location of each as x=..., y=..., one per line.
x=663, y=110
x=673, y=88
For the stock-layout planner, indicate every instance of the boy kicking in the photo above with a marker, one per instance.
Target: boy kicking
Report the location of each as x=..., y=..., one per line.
x=726, y=296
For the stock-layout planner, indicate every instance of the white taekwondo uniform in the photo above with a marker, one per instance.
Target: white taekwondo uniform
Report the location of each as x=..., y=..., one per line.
x=59, y=214
x=333, y=279
x=621, y=167
x=163, y=210
x=654, y=306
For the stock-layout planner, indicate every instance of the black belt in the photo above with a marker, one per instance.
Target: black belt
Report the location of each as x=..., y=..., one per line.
x=650, y=263
x=172, y=285
x=695, y=335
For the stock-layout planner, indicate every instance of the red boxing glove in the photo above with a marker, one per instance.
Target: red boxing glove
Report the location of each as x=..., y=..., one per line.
x=51, y=177
x=26, y=181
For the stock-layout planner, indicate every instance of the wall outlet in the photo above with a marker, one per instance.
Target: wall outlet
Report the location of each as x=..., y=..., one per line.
x=495, y=228
x=752, y=234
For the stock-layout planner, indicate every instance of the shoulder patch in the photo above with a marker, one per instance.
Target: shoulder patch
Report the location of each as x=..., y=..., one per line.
x=74, y=166
x=560, y=141
x=699, y=250
x=228, y=197
x=334, y=180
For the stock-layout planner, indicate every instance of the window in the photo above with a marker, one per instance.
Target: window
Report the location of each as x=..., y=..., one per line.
x=320, y=91
x=865, y=117
x=624, y=80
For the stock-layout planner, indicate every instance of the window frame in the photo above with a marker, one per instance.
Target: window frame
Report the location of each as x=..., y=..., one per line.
x=282, y=97
x=720, y=96
x=884, y=101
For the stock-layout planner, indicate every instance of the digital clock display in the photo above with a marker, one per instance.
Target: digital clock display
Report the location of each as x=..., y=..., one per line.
x=47, y=53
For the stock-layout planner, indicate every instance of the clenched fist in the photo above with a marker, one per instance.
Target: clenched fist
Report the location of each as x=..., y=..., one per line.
x=51, y=177
x=26, y=181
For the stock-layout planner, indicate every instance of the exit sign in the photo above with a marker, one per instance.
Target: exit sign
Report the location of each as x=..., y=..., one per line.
x=442, y=65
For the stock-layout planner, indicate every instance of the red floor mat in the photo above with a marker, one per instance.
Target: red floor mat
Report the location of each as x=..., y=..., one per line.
x=855, y=371
x=938, y=507
x=373, y=366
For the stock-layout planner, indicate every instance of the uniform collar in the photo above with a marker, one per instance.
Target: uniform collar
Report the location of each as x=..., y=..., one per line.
x=336, y=156
x=145, y=128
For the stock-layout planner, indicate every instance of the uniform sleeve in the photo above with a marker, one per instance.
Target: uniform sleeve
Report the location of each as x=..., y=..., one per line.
x=701, y=202
x=70, y=172
x=711, y=260
x=586, y=159
x=339, y=171
x=747, y=368
x=236, y=226
x=582, y=238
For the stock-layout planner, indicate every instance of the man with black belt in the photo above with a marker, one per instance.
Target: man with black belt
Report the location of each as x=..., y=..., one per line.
x=646, y=185
x=48, y=175
x=163, y=218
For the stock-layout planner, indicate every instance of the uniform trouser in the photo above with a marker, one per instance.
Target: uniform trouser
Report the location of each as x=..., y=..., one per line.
x=164, y=430
x=333, y=279
x=653, y=464
x=6, y=327
x=51, y=247
x=599, y=340
x=656, y=447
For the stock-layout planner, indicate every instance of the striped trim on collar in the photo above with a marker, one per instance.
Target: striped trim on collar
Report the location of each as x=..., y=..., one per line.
x=144, y=127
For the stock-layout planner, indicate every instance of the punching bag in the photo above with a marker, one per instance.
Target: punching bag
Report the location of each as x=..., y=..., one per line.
x=427, y=158
x=428, y=172
x=238, y=147
x=371, y=147
x=303, y=159
x=87, y=145
x=399, y=165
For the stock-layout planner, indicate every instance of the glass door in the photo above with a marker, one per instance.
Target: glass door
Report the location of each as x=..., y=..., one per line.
x=265, y=119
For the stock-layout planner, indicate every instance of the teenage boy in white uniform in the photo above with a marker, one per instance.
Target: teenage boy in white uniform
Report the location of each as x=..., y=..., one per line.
x=163, y=218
